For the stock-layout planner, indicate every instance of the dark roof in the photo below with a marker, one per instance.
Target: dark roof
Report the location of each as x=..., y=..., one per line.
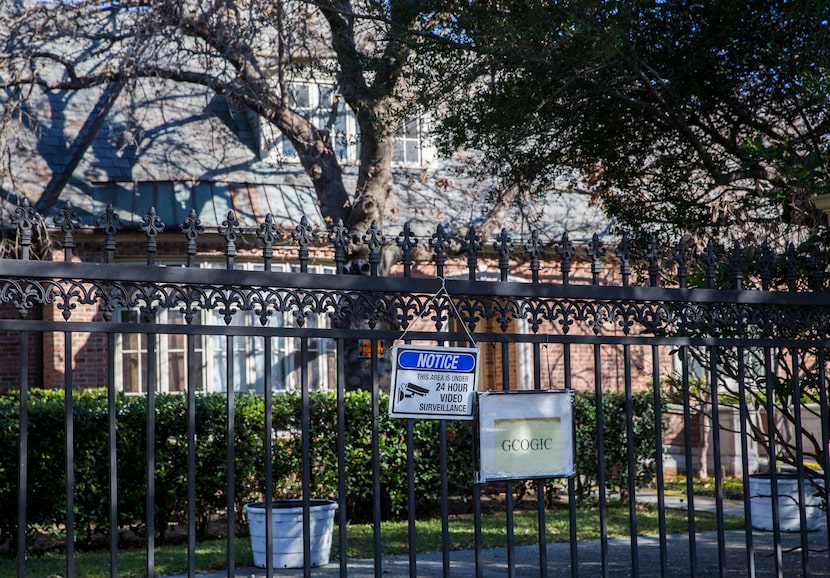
x=177, y=147
x=173, y=149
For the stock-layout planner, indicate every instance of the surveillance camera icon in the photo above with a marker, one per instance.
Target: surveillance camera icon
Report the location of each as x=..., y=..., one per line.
x=406, y=390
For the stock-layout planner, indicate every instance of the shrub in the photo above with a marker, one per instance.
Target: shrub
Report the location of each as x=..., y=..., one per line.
x=615, y=440
x=46, y=491
x=358, y=411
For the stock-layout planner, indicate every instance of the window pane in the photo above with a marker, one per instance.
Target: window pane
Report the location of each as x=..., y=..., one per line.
x=412, y=151
x=130, y=374
x=256, y=369
x=301, y=95
x=218, y=380
x=176, y=376
x=131, y=341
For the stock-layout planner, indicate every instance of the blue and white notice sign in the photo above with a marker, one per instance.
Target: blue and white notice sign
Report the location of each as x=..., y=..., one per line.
x=433, y=382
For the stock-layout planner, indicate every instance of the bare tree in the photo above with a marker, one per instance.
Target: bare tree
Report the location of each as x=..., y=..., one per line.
x=250, y=53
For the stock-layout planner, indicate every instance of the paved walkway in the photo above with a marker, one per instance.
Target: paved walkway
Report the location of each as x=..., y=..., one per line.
x=589, y=556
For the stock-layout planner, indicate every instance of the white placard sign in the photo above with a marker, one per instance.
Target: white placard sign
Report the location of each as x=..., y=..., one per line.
x=525, y=434
x=433, y=382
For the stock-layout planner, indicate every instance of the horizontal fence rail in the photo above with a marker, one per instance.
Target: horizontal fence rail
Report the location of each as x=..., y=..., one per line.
x=694, y=370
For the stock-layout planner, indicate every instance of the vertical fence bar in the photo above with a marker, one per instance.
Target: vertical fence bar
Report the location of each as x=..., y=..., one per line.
x=230, y=432
x=595, y=251
x=541, y=499
x=376, y=487
x=24, y=218
x=407, y=242
x=624, y=253
x=341, y=455
x=799, y=461
x=744, y=431
x=445, y=506
x=535, y=249
x=268, y=393
x=714, y=380
x=373, y=239
x=603, y=500
x=653, y=254
x=410, y=499
x=572, y=515
x=508, y=486
x=192, y=229
x=152, y=227
x=339, y=237
x=112, y=447
x=472, y=245
x=230, y=232
x=632, y=465
x=23, y=454
x=438, y=243
x=191, y=455
x=70, y=455
x=565, y=249
x=504, y=245
x=410, y=491
x=110, y=223
x=477, y=535
x=687, y=443
x=657, y=392
x=825, y=432
x=151, y=453
x=769, y=378
x=306, y=455
x=302, y=236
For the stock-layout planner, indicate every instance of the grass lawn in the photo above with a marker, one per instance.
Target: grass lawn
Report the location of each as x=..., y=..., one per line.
x=210, y=554
x=732, y=488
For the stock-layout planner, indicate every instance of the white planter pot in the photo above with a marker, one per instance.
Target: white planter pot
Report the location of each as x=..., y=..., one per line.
x=287, y=532
x=789, y=517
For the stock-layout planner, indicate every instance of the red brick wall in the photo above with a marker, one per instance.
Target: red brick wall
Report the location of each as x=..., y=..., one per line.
x=11, y=360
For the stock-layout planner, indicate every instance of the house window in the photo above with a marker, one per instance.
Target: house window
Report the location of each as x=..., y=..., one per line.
x=132, y=359
x=314, y=103
x=409, y=142
x=210, y=355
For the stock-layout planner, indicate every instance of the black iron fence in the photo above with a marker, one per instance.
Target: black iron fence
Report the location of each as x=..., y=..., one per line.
x=727, y=344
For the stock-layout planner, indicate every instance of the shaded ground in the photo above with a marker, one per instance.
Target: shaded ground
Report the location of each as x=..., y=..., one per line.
x=705, y=556
x=590, y=560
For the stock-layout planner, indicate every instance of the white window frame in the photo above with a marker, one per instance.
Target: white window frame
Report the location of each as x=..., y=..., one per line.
x=313, y=101
x=249, y=351
x=164, y=352
x=412, y=143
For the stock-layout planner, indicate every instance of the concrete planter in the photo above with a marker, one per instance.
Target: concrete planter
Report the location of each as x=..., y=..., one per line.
x=789, y=517
x=287, y=532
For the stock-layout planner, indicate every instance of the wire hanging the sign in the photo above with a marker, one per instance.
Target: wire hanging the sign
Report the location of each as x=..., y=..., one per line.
x=433, y=299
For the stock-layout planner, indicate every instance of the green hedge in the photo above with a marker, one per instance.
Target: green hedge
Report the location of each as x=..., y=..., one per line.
x=615, y=442
x=46, y=497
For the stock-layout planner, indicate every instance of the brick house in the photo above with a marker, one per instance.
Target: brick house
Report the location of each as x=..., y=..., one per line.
x=164, y=146
x=178, y=151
